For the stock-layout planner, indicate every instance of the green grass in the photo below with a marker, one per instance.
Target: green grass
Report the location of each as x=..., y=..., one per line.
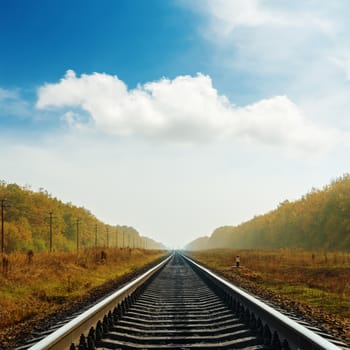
x=316, y=298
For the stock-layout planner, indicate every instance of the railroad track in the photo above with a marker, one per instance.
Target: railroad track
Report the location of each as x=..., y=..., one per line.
x=181, y=305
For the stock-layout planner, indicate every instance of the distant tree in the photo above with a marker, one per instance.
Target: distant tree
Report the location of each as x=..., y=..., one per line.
x=27, y=222
x=319, y=220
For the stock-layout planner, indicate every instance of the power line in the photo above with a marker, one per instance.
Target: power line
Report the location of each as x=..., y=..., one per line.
x=50, y=232
x=2, y=225
x=50, y=213
x=95, y=236
x=77, y=223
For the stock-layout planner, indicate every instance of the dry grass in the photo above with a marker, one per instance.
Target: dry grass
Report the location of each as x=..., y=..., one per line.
x=318, y=282
x=328, y=272
x=30, y=290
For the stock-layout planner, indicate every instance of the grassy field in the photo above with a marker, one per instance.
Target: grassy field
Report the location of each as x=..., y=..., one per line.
x=317, y=284
x=31, y=289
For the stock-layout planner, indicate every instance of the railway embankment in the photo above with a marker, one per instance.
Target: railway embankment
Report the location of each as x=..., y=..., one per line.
x=37, y=294
x=313, y=285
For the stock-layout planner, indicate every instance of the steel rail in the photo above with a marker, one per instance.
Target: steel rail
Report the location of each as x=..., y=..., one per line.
x=70, y=333
x=298, y=336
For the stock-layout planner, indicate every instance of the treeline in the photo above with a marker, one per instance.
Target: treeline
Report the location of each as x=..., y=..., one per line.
x=30, y=218
x=319, y=220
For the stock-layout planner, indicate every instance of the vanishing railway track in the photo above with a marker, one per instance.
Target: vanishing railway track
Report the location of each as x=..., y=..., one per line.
x=181, y=305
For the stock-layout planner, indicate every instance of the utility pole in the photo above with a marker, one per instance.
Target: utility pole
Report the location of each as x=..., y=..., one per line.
x=77, y=223
x=95, y=236
x=50, y=213
x=107, y=233
x=2, y=225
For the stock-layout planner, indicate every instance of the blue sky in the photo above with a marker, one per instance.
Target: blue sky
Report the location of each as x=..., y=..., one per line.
x=175, y=117
x=135, y=40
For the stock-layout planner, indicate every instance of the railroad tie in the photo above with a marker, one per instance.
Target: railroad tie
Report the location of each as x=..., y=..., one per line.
x=178, y=310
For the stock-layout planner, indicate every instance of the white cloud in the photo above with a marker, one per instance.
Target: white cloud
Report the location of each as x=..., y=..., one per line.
x=269, y=44
x=343, y=62
x=184, y=109
x=12, y=105
x=6, y=94
x=225, y=16
x=273, y=47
